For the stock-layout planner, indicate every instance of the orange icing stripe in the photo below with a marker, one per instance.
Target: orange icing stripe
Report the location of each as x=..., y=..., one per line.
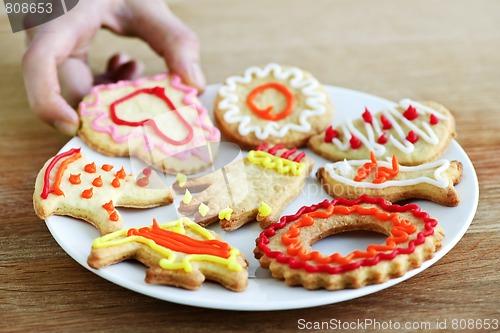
x=399, y=233
x=64, y=165
x=182, y=243
x=266, y=113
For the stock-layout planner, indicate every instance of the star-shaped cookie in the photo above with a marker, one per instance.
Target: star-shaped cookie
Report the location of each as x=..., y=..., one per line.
x=69, y=184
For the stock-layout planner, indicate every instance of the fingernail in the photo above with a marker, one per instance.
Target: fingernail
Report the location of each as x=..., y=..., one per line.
x=197, y=76
x=65, y=127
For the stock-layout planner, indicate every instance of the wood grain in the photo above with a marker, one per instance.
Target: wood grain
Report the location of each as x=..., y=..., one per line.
x=446, y=51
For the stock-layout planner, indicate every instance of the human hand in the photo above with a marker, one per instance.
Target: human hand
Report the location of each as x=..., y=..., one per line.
x=55, y=69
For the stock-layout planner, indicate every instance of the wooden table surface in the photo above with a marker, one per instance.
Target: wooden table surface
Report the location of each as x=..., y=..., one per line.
x=447, y=51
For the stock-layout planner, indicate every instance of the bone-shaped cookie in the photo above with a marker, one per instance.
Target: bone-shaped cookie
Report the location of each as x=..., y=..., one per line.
x=179, y=253
x=69, y=184
x=432, y=181
x=257, y=187
x=415, y=132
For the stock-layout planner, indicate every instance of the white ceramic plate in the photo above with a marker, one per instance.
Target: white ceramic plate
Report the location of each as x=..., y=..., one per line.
x=264, y=292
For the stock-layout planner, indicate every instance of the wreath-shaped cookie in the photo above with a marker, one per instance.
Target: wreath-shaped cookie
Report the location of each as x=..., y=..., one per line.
x=285, y=247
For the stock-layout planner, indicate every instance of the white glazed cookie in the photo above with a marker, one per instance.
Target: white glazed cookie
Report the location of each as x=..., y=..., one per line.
x=273, y=103
x=416, y=132
x=257, y=187
x=158, y=119
x=179, y=253
x=285, y=247
x=433, y=181
x=69, y=184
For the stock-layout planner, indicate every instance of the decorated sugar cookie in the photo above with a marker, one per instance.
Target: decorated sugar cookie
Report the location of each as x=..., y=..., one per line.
x=69, y=184
x=273, y=103
x=285, y=247
x=432, y=181
x=416, y=132
x=256, y=188
x=158, y=119
x=179, y=253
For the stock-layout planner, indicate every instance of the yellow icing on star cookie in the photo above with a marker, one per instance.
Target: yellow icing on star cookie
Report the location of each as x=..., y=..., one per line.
x=225, y=214
x=203, y=209
x=264, y=209
x=181, y=178
x=187, y=197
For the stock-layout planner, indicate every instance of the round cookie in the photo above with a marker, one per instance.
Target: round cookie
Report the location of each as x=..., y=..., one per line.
x=273, y=103
x=285, y=247
x=158, y=119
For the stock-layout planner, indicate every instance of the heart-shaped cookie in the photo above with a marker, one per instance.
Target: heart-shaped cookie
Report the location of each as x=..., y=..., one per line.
x=158, y=119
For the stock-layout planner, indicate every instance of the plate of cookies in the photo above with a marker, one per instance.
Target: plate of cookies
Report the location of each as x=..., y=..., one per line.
x=270, y=191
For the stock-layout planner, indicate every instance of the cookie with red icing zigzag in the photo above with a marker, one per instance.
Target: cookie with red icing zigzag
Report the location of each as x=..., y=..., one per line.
x=416, y=132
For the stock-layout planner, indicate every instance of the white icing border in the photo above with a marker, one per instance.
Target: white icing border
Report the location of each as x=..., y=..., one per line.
x=393, y=115
x=345, y=167
x=315, y=101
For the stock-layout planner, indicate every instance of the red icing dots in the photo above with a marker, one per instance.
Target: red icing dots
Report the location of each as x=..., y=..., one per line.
x=386, y=124
x=433, y=119
x=355, y=142
x=382, y=139
x=330, y=134
x=410, y=113
x=367, y=116
x=412, y=137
